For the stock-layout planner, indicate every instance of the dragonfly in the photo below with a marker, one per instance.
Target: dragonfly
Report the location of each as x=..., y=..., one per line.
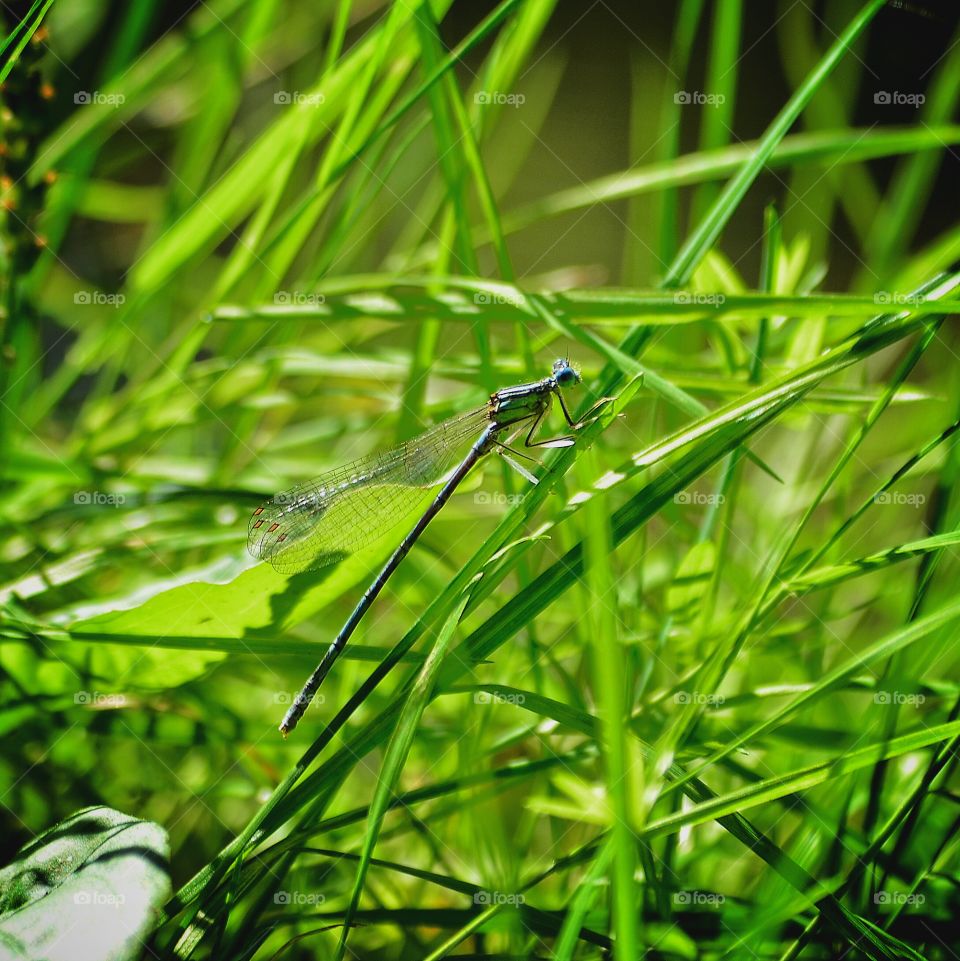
x=331, y=517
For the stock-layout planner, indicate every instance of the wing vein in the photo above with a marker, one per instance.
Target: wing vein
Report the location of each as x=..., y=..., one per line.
x=330, y=517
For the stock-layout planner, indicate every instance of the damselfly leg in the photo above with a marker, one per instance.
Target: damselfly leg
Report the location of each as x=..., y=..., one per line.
x=589, y=417
x=566, y=440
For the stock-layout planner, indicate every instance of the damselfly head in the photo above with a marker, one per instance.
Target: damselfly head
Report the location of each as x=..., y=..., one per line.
x=564, y=374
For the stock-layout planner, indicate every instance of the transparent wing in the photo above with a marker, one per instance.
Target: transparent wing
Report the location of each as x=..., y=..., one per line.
x=340, y=512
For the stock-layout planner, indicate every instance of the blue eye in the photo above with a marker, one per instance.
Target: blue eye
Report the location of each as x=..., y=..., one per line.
x=566, y=376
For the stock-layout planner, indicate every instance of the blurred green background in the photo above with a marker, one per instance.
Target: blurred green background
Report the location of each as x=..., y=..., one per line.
x=701, y=700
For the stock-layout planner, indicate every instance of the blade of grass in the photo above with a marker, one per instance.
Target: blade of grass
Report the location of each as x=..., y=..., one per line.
x=396, y=755
x=610, y=671
x=710, y=228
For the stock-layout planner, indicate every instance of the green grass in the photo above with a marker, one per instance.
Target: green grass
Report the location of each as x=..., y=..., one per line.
x=693, y=695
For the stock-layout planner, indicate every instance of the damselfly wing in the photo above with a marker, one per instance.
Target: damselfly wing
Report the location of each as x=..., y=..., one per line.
x=338, y=513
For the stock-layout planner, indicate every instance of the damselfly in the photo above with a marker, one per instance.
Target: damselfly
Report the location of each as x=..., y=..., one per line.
x=315, y=524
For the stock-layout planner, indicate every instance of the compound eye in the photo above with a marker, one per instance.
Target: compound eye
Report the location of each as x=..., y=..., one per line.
x=566, y=376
